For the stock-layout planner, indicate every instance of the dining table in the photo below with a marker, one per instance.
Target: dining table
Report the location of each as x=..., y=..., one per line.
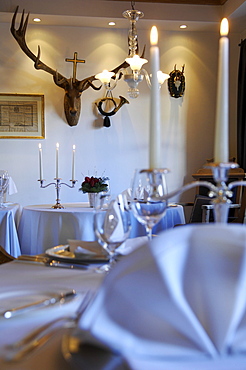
x=21, y=280
x=9, y=219
x=29, y=280
x=42, y=227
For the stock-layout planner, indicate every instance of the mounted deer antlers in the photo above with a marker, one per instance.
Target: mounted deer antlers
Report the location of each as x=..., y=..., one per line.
x=73, y=88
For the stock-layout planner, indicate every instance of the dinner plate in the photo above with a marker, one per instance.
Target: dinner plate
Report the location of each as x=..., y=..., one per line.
x=81, y=354
x=62, y=252
x=29, y=299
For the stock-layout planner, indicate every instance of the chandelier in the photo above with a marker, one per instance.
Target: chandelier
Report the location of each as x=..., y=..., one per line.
x=134, y=73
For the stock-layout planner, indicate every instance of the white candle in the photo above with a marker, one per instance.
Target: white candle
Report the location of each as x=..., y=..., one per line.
x=73, y=163
x=57, y=160
x=222, y=110
x=155, y=117
x=40, y=162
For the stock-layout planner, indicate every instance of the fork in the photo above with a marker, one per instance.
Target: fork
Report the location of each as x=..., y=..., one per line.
x=18, y=350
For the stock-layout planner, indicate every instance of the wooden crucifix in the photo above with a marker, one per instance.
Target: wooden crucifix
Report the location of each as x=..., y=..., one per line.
x=75, y=61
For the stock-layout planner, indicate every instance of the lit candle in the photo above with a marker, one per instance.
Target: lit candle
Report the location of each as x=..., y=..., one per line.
x=40, y=162
x=73, y=163
x=57, y=155
x=222, y=111
x=155, y=117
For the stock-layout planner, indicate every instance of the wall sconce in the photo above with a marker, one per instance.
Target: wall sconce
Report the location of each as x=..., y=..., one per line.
x=176, y=82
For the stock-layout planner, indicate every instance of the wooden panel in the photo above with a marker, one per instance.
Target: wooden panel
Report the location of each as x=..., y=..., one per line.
x=193, y=2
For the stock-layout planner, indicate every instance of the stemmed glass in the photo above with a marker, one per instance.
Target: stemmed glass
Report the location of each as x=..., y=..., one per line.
x=112, y=225
x=146, y=204
x=4, y=182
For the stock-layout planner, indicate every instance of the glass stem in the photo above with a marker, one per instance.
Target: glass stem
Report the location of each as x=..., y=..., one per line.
x=1, y=198
x=149, y=232
x=112, y=260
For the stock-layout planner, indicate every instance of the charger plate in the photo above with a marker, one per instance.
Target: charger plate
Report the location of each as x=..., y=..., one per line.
x=63, y=253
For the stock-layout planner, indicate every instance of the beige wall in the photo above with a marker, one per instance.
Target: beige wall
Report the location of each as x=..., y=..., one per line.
x=188, y=123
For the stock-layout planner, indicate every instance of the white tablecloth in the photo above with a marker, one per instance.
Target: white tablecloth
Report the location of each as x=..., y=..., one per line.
x=21, y=276
x=25, y=277
x=42, y=227
x=9, y=217
x=179, y=300
x=174, y=216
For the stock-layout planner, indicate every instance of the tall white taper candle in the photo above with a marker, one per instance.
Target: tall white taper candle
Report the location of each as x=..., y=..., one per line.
x=221, y=149
x=73, y=163
x=57, y=160
x=40, y=162
x=155, y=113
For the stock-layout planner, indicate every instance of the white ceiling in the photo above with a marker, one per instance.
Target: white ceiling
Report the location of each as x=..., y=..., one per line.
x=97, y=13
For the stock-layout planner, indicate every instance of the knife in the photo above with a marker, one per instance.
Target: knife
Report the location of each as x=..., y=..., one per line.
x=60, y=298
x=47, y=261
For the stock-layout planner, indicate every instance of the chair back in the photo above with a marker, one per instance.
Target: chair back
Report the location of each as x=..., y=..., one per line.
x=5, y=256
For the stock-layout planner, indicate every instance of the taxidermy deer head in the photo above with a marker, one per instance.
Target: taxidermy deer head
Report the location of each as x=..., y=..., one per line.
x=73, y=88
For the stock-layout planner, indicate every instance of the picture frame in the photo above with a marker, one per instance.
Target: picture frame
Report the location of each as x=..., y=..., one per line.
x=22, y=116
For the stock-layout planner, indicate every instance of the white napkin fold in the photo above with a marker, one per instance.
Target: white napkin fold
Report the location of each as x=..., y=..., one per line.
x=94, y=248
x=127, y=193
x=11, y=189
x=181, y=297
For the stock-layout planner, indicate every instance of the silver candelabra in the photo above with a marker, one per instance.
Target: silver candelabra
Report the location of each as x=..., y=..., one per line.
x=58, y=185
x=220, y=192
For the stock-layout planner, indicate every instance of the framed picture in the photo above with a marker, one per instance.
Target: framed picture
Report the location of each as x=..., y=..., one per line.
x=22, y=116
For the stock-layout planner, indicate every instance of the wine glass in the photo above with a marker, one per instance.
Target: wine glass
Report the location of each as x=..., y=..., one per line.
x=112, y=225
x=147, y=204
x=4, y=182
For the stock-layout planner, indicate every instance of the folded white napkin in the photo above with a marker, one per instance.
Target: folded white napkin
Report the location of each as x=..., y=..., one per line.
x=81, y=247
x=179, y=298
x=11, y=189
x=94, y=248
x=127, y=193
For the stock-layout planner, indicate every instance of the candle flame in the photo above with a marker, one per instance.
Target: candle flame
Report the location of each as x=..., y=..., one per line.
x=40, y=146
x=154, y=36
x=73, y=147
x=224, y=27
x=57, y=145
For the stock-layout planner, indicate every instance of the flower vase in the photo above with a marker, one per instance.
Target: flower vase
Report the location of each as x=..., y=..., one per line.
x=92, y=199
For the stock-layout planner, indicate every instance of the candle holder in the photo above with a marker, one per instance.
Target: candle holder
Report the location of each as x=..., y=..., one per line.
x=58, y=185
x=221, y=195
x=220, y=192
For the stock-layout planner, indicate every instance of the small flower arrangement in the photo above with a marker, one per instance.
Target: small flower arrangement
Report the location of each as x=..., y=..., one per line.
x=94, y=184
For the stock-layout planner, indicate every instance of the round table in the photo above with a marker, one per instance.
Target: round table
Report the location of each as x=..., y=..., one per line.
x=9, y=217
x=42, y=227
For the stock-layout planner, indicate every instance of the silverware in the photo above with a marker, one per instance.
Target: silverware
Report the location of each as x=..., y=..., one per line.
x=38, y=337
x=50, y=262
x=59, y=298
x=38, y=258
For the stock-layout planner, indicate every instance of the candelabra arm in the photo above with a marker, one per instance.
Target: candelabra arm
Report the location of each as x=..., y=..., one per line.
x=188, y=187
x=69, y=186
x=236, y=183
x=45, y=186
x=57, y=184
x=146, y=75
